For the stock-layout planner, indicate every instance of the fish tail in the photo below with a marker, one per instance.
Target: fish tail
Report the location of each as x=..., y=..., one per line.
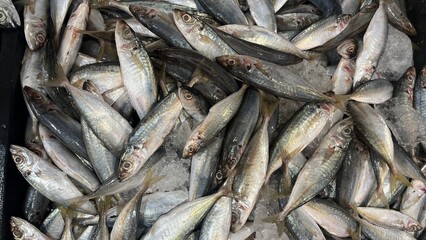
x=268, y=105
x=60, y=80
x=398, y=176
x=382, y=197
x=275, y=219
x=226, y=188
x=340, y=102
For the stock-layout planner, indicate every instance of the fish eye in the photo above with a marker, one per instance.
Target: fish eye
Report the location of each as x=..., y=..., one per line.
x=232, y=62
x=18, y=159
x=127, y=165
x=127, y=32
x=40, y=38
x=351, y=49
x=186, y=17
x=188, y=95
x=38, y=96
x=219, y=175
x=2, y=16
x=191, y=149
x=17, y=233
x=347, y=131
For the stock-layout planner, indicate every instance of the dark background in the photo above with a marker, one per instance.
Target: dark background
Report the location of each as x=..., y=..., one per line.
x=13, y=114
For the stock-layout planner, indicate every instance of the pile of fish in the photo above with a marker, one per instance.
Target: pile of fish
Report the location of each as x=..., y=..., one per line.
x=112, y=87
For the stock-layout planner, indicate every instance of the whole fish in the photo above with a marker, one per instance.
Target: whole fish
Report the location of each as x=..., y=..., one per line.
x=72, y=39
x=374, y=42
x=136, y=70
x=219, y=115
x=272, y=78
x=375, y=232
x=398, y=18
x=21, y=229
x=35, y=23
x=149, y=135
x=321, y=168
x=47, y=179
x=9, y=17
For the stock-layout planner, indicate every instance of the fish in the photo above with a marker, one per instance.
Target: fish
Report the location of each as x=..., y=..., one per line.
x=398, y=18
x=136, y=70
x=217, y=221
x=219, y=115
x=47, y=179
x=263, y=14
x=374, y=42
x=389, y=219
x=295, y=20
x=9, y=17
x=149, y=135
x=21, y=229
x=227, y=12
x=193, y=103
x=35, y=23
x=372, y=92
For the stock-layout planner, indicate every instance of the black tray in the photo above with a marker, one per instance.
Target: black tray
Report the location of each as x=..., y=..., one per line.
x=13, y=114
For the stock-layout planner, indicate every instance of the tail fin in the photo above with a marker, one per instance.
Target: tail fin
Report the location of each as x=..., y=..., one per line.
x=268, y=105
x=340, y=101
x=226, y=188
x=275, y=219
x=60, y=80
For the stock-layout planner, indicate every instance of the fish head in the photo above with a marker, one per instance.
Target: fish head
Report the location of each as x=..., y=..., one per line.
x=345, y=130
x=125, y=37
x=23, y=158
x=348, y=49
x=343, y=20
x=17, y=228
x=35, y=30
x=406, y=83
x=186, y=22
x=412, y=225
x=240, y=214
x=37, y=149
x=38, y=100
x=191, y=147
x=131, y=161
x=186, y=96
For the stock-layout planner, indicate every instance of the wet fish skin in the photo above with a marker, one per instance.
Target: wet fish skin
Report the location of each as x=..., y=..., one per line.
x=404, y=89
x=373, y=131
x=179, y=222
x=193, y=60
x=398, y=18
x=105, y=76
x=331, y=217
x=372, y=92
x=328, y=7
x=47, y=179
x=160, y=24
x=149, y=135
x=264, y=37
x=203, y=166
x=218, y=117
x=420, y=94
x=272, y=78
x=406, y=165
x=35, y=23
x=238, y=134
x=22, y=229
x=389, y=218
x=200, y=35
x=65, y=160
x=53, y=225
x=321, y=168
x=9, y=17
x=374, y=42
x=301, y=129
x=226, y=12
x=349, y=7
x=321, y=32
x=216, y=223
x=252, y=168
x=356, y=180
x=35, y=206
x=65, y=128
x=263, y=14
x=72, y=39
x=295, y=21
x=136, y=70
x=413, y=200
x=375, y=232
x=259, y=51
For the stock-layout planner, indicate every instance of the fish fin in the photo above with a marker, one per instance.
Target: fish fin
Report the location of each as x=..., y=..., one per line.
x=402, y=179
x=149, y=180
x=382, y=197
x=340, y=102
x=269, y=104
x=60, y=79
x=310, y=55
